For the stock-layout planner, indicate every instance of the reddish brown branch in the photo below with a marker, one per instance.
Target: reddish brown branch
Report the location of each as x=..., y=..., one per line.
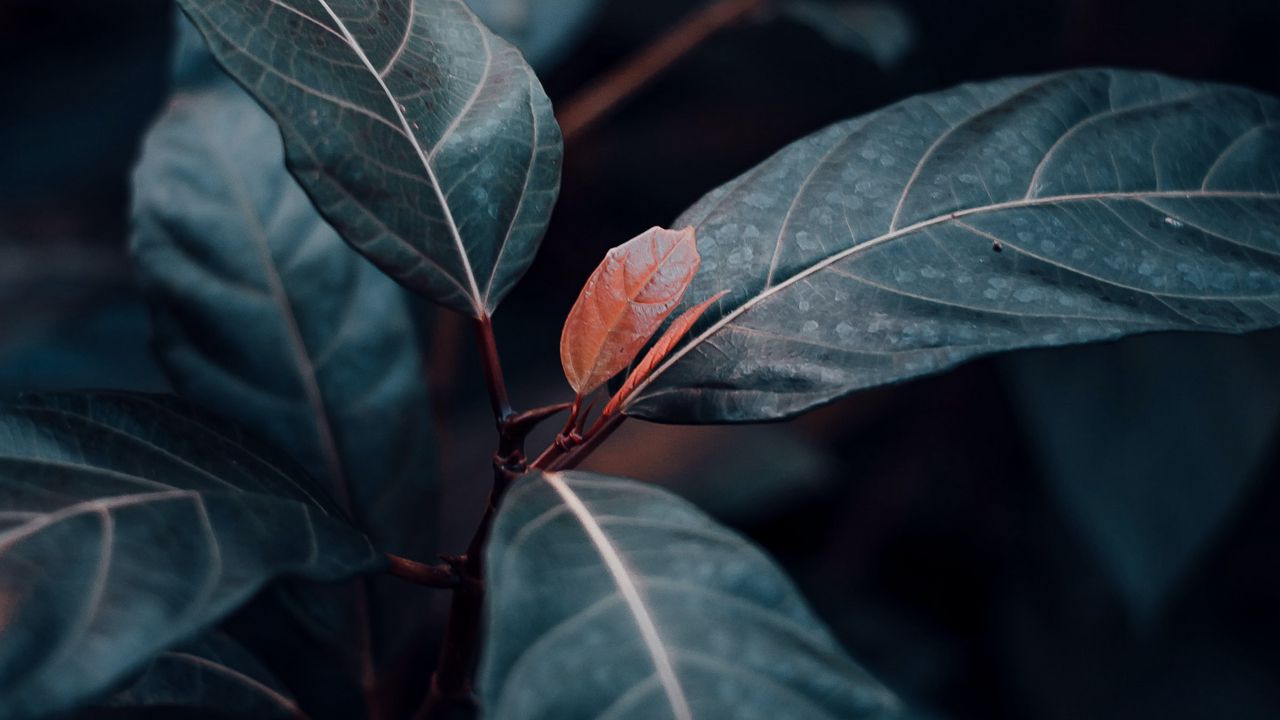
x=602, y=96
x=437, y=576
x=494, y=380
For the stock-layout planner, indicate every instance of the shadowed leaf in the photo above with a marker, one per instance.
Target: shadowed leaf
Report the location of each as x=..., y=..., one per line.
x=129, y=523
x=264, y=315
x=212, y=673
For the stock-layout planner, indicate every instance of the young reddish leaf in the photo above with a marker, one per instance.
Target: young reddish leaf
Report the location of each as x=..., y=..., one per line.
x=623, y=304
x=660, y=350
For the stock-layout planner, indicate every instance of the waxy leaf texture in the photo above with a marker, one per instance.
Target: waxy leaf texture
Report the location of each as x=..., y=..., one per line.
x=422, y=137
x=610, y=598
x=623, y=304
x=1018, y=213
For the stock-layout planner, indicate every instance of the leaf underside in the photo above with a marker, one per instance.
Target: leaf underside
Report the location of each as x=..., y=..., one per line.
x=129, y=523
x=1018, y=213
x=212, y=673
x=654, y=611
x=424, y=139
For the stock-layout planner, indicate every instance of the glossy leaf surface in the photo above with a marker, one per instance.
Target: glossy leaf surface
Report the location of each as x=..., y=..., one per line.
x=212, y=673
x=422, y=137
x=131, y=522
x=1018, y=213
x=623, y=304
x=654, y=611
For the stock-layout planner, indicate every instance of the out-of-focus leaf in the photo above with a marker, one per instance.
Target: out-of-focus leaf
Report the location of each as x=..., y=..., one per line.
x=544, y=31
x=263, y=314
x=423, y=138
x=1150, y=445
x=654, y=611
x=213, y=673
x=129, y=523
x=1018, y=213
x=623, y=304
x=880, y=30
x=100, y=341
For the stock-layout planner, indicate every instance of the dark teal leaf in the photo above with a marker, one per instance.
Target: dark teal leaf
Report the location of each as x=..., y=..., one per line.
x=264, y=315
x=544, y=31
x=1151, y=446
x=422, y=137
x=1018, y=213
x=213, y=673
x=653, y=611
x=129, y=523
x=878, y=29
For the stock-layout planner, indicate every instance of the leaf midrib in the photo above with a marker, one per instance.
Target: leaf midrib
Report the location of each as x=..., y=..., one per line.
x=476, y=301
x=916, y=227
x=630, y=594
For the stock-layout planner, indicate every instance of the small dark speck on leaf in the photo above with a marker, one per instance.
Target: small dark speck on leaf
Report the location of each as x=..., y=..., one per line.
x=997, y=245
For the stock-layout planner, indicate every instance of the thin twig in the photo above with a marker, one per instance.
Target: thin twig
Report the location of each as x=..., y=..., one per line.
x=598, y=433
x=603, y=95
x=442, y=575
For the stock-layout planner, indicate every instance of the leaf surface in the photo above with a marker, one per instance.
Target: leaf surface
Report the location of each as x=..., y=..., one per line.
x=129, y=523
x=213, y=673
x=422, y=137
x=264, y=315
x=662, y=347
x=654, y=611
x=623, y=304
x=1029, y=212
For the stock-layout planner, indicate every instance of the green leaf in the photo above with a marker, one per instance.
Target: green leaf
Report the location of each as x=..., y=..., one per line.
x=422, y=137
x=129, y=523
x=264, y=315
x=212, y=673
x=545, y=32
x=1017, y=213
x=650, y=610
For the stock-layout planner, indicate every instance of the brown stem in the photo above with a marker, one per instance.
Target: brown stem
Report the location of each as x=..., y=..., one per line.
x=598, y=433
x=437, y=576
x=494, y=380
x=602, y=96
x=451, y=683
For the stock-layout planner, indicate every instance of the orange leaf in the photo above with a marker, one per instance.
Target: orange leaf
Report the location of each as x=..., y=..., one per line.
x=660, y=350
x=623, y=304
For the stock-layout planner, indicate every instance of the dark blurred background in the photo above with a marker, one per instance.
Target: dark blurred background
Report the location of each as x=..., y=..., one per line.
x=1080, y=533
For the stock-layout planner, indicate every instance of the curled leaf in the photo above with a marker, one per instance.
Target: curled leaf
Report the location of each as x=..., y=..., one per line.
x=663, y=347
x=625, y=301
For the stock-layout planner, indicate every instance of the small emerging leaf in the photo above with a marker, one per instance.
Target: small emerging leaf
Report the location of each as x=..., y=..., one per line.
x=675, y=332
x=623, y=304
